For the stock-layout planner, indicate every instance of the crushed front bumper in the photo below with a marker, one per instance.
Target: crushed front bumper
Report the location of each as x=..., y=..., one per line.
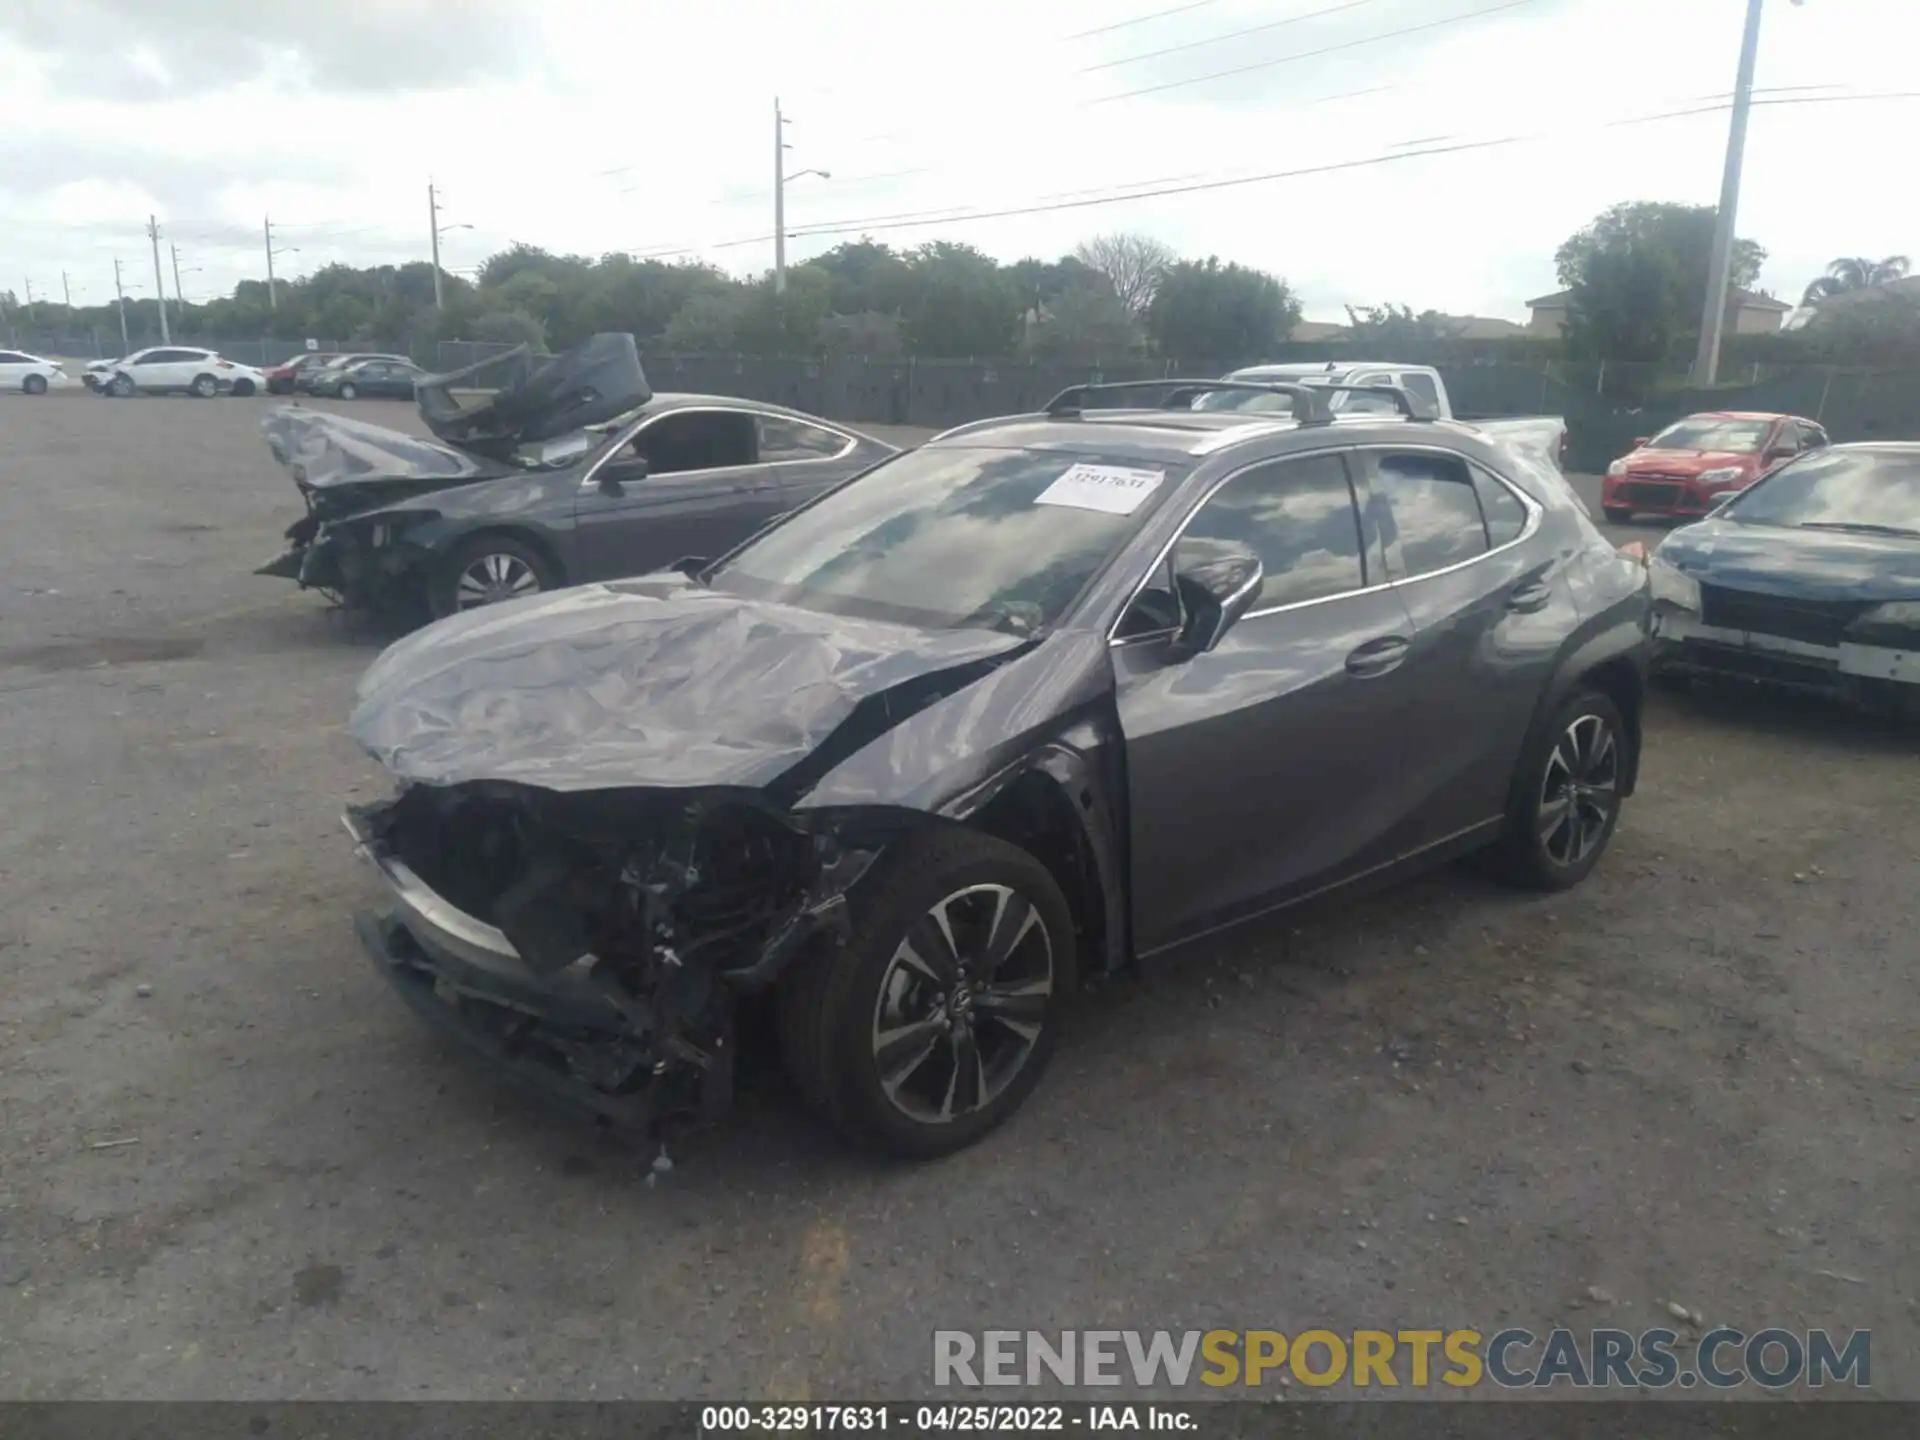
x=561, y=1037
x=1684, y=644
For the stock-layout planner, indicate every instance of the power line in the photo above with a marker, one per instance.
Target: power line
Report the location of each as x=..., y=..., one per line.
x=1312, y=54
x=1139, y=20
x=873, y=223
x=1230, y=35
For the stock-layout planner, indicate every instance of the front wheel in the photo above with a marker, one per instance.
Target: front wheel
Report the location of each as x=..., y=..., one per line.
x=243, y=388
x=1617, y=516
x=349, y=391
x=34, y=384
x=488, y=569
x=1566, y=795
x=121, y=387
x=932, y=1023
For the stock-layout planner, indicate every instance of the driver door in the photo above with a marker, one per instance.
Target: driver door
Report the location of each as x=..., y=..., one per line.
x=1270, y=766
x=684, y=482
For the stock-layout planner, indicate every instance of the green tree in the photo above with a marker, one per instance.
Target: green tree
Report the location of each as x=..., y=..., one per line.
x=1638, y=277
x=1855, y=272
x=963, y=304
x=708, y=323
x=1084, y=322
x=1393, y=325
x=509, y=327
x=1132, y=265
x=1206, y=311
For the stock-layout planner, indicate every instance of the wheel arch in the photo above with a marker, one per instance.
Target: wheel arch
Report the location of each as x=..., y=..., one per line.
x=1622, y=680
x=457, y=541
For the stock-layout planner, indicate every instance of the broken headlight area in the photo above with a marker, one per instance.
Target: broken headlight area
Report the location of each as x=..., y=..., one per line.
x=597, y=942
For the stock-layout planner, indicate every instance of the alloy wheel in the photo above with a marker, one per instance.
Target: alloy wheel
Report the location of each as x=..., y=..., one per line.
x=1580, y=792
x=962, y=1003
x=490, y=578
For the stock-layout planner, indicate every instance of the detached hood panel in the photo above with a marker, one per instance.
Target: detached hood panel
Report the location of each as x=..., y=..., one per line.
x=650, y=682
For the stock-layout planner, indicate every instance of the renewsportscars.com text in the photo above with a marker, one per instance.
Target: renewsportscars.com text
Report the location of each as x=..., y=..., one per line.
x=1512, y=1359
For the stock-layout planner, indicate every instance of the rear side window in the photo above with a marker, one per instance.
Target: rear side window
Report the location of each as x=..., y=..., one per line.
x=785, y=439
x=1298, y=516
x=1434, y=510
x=9, y=357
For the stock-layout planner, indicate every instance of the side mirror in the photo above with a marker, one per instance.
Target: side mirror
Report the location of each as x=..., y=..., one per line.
x=1719, y=502
x=1778, y=454
x=1215, y=592
x=691, y=565
x=1639, y=441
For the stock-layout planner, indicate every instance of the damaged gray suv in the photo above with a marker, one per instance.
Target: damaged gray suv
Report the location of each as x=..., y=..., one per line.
x=1046, y=695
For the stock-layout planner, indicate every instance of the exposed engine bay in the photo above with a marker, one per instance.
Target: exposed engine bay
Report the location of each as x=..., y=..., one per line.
x=628, y=921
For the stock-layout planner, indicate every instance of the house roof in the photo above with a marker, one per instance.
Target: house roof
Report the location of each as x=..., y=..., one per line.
x=1745, y=299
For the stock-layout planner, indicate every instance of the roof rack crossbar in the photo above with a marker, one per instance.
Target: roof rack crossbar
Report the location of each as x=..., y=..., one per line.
x=1310, y=402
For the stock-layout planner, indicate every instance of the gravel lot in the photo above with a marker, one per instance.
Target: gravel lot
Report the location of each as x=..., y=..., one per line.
x=232, y=1166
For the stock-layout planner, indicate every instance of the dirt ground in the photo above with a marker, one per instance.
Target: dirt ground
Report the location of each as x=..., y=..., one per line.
x=232, y=1166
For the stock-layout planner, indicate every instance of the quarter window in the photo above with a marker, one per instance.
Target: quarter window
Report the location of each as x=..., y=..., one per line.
x=1431, y=503
x=1298, y=516
x=1506, y=517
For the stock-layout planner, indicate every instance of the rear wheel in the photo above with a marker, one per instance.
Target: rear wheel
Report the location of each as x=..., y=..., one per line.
x=933, y=1022
x=204, y=387
x=1617, y=516
x=488, y=569
x=34, y=384
x=1566, y=795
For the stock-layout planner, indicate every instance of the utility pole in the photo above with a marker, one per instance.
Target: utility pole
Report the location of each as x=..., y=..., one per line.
x=433, y=228
x=1713, y=315
x=779, y=200
x=179, y=299
x=120, y=307
x=159, y=285
x=66, y=289
x=273, y=294
x=29, y=294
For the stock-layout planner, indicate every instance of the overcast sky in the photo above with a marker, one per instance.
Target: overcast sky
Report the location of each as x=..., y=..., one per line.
x=646, y=126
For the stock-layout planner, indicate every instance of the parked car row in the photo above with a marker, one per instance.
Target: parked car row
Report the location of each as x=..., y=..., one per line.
x=188, y=370
x=913, y=741
x=322, y=372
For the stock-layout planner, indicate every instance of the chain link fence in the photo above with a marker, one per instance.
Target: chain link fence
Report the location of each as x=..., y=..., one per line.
x=1606, y=405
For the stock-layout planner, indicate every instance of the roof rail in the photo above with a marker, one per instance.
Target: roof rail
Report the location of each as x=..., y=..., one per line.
x=1310, y=405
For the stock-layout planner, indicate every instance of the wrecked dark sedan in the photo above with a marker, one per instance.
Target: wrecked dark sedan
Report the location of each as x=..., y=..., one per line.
x=573, y=471
x=1810, y=579
x=1046, y=695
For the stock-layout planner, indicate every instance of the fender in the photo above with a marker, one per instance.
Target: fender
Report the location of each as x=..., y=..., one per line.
x=1620, y=638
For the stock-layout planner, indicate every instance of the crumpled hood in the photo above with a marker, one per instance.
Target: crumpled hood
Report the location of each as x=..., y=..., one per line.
x=651, y=682
x=1800, y=564
x=1689, y=462
x=324, y=450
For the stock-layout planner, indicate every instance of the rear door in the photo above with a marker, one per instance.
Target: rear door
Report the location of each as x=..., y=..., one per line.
x=684, y=482
x=1270, y=766
x=159, y=368
x=1490, y=604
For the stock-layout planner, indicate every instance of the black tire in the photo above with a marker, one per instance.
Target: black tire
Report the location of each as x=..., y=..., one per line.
x=1562, y=769
x=349, y=391
x=1617, y=516
x=831, y=1003
x=243, y=388
x=517, y=558
x=121, y=387
x=204, y=387
x=34, y=385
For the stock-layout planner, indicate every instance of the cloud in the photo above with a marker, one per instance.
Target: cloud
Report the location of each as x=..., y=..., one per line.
x=140, y=50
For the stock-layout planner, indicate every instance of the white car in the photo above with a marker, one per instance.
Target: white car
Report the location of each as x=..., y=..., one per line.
x=176, y=370
x=29, y=373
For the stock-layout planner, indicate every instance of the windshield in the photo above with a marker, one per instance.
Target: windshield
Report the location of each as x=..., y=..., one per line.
x=954, y=538
x=1708, y=434
x=1840, y=489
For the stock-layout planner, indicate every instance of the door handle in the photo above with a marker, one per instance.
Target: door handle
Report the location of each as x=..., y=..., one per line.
x=1530, y=596
x=1377, y=657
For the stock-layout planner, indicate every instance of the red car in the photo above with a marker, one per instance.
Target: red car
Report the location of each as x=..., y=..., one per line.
x=1687, y=467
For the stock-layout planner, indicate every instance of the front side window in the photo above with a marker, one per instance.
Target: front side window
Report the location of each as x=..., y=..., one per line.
x=1433, y=508
x=1298, y=516
x=1866, y=490
x=955, y=537
x=683, y=440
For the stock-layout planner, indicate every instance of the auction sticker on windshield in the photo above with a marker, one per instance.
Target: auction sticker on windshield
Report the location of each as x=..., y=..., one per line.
x=1111, y=489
